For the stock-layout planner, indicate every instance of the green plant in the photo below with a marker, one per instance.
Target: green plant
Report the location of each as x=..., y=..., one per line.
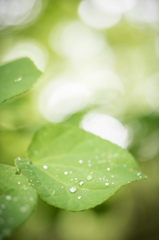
x=66, y=166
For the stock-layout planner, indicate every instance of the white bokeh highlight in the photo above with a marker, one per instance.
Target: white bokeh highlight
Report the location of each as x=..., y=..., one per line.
x=94, y=17
x=115, y=6
x=18, y=12
x=145, y=11
x=31, y=49
x=61, y=98
x=106, y=127
x=104, y=85
x=74, y=40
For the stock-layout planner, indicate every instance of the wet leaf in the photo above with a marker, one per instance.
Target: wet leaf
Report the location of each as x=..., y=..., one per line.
x=76, y=170
x=17, y=77
x=17, y=199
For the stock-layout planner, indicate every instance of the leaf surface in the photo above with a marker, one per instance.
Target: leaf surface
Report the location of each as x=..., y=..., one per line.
x=17, y=199
x=17, y=77
x=76, y=170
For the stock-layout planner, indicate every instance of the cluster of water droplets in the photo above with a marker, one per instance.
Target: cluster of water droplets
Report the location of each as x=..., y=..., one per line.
x=79, y=184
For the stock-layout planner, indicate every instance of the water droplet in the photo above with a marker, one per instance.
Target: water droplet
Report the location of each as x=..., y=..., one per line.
x=106, y=184
x=61, y=186
x=91, y=173
x=96, y=157
x=112, y=182
x=31, y=198
x=18, y=79
x=81, y=183
x=8, y=197
x=53, y=192
x=35, y=152
x=89, y=161
x=33, y=184
x=71, y=179
x=89, y=177
x=45, y=167
x=19, y=158
x=108, y=169
x=37, y=181
x=30, y=180
x=140, y=177
x=73, y=189
x=100, y=179
x=18, y=182
x=65, y=173
x=112, y=175
x=70, y=171
x=124, y=165
x=89, y=165
x=75, y=178
x=31, y=171
x=79, y=197
x=139, y=173
x=3, y=206
x=56, y=175
x=80, y=161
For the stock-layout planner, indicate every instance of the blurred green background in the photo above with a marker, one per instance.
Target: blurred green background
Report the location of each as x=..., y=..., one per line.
x=101, y=58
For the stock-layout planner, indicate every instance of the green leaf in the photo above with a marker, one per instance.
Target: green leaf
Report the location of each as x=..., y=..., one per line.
x=76, y=170
x=17, y=199
x=17, y=77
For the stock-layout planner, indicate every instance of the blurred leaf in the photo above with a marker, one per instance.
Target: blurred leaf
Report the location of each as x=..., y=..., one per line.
x=17, y=199
x=17, y=77
x=76, y=170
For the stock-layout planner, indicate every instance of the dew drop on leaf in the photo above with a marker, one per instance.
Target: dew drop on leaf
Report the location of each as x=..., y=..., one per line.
x=73, y=189
x=45, y=167
x=81, y=183
x=18, y=79
x=89, y=177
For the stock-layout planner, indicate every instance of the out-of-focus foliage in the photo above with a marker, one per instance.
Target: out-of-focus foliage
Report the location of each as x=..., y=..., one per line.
x=118, y=78
x=16, y=78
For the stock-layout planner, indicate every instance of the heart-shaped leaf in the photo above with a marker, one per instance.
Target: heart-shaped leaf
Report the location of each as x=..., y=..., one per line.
x=17, y=199
x=76, y=170
x=17, y=77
